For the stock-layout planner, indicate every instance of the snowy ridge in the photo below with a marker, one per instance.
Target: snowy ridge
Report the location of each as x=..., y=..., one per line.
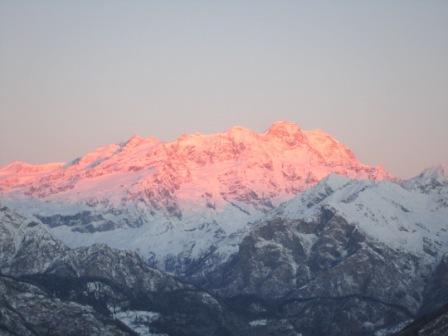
x=408, y=217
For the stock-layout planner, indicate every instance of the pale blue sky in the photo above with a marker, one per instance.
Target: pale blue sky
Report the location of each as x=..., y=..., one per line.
x=75, y=75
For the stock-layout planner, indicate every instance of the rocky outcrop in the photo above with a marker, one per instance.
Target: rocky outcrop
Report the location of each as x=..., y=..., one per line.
x=433, y=324
x=28, y=310
x=312, y=271
x=436, y=292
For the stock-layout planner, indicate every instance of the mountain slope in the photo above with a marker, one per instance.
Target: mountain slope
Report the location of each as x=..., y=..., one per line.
x=276, y=241
x=434, y=324
x=344, y=257
x=29, y=311
x=98, y=290
x=177, y=202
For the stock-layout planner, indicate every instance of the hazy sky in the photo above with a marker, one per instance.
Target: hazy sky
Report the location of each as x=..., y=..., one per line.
x=75, y=75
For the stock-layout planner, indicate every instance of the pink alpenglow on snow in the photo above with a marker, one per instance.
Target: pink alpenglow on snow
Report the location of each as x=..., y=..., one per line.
x=276, y=164
x=181, y=198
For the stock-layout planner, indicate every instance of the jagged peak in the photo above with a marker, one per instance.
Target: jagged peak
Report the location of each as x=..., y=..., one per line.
x=91, y=157
x=286, y=131
x=133, y=141
x=16, y=164
x=302, y=159
x=440, y=170
x=241, y=133
x=429, y=178
x=282, y=127
x=137, y=140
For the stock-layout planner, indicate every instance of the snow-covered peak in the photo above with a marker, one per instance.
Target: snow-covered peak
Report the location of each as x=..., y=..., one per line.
x=430, y=179
x=197, y=191
x=404, y=219
x=439, y=173
x=18, y=174
x=328, y=147
x=21, y=167
x=279, y=162
x=240, y=131
x=283, y=127
x=137, y=140
x=287, y=132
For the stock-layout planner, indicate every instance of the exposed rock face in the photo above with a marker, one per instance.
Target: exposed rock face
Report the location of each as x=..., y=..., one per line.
x=26, y=246
x=433, y=324
x=308, y=272
x=437, y=288
x=101, y=291
x=343, y=258
x=29, y=311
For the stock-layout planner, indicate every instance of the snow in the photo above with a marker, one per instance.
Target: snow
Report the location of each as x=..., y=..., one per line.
x=400, y=215
x=138, y=321
x=202, y=163
x=405, y=219
x=392, y=329
x=184, y=197
x=258, y=323
x=209, y=300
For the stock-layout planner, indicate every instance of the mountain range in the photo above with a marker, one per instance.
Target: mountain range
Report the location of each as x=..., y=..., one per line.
x=175, y=202
x=281, y=232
